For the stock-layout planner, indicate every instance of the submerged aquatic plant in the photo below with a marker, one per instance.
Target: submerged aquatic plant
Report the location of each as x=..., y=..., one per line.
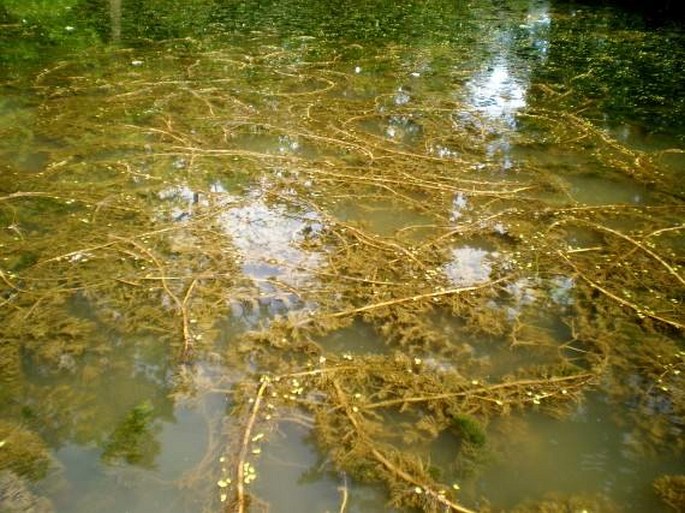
x=17, y=497
x=163, y=209
x=671, y=490
x=23, y=452
x=133, y=440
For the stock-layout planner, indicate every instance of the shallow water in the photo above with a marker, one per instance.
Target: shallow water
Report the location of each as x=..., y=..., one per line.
x=180, y=183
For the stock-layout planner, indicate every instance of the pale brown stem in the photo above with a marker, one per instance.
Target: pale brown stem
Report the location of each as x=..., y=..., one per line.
x=449, y=395
x=418, y=297
x=378, y=456
x=628, y=304
x=240, y=485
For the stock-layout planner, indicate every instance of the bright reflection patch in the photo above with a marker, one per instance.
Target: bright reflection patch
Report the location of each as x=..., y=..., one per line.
x=268, y=237
x=469, y=265
x=497, y=94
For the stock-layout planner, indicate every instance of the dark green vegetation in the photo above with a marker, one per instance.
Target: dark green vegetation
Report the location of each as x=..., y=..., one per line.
x=133, y=440
x=480, y=207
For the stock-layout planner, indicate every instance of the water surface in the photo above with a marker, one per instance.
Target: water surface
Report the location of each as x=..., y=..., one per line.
x=229, y=230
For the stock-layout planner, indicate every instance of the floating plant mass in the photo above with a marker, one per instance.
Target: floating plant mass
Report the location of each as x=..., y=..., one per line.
x=232, y=207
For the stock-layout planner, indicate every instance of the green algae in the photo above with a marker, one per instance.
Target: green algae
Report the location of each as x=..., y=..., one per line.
x=133, y=440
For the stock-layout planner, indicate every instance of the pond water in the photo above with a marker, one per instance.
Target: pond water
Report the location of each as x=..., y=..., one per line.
x=370, y=257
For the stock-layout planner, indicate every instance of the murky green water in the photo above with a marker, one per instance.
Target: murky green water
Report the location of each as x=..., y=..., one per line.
x=424, y=256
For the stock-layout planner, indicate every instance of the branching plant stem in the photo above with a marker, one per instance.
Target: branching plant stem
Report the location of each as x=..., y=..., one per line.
x=240, y=505
x=640, y=311
x=418, y=297
x=409, y=479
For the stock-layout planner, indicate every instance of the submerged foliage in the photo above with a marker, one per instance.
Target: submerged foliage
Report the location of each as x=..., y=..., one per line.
x=671, y=489
x=238, y=203
x=16, y=497
x=133, y=440
x=22, y=452
x=556, y=504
